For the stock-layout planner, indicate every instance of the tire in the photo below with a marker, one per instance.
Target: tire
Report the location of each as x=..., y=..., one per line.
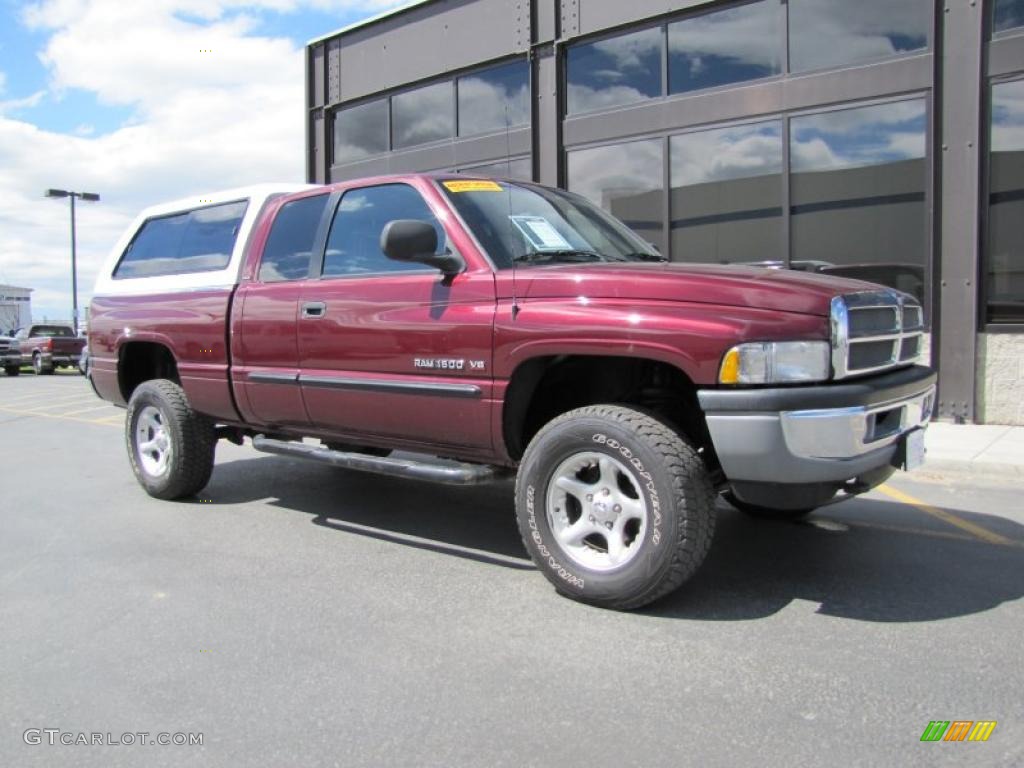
x=611, y=468
x=41, y=368
x=12, y=370
x=170, y=446
x=767, y=513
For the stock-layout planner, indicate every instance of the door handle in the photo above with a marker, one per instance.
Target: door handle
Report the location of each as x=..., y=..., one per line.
x=314, y=309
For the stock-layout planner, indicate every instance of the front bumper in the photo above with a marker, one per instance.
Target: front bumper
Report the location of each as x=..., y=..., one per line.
x=816, y=435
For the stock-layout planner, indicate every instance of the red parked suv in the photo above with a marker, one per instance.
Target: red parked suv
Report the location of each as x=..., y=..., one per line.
x=509, y=327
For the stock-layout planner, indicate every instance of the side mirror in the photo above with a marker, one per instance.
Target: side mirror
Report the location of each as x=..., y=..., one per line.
x=414, y=240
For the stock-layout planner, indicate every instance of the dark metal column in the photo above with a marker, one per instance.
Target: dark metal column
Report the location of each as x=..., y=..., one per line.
x=545, y=124
x=957, y=306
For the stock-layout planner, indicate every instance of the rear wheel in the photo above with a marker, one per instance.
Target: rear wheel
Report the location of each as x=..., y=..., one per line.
x=767, y=513
x=614, y=507
x=171, y=447
x=12, y=370
x=40, y=367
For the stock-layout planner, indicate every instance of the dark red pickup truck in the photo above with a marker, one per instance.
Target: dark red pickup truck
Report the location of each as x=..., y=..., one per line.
x=506, y=326
x=46, y=346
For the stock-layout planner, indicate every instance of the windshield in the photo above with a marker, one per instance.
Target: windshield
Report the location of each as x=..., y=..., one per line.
x=539, y=225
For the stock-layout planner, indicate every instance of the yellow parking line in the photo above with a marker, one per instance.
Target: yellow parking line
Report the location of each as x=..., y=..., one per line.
x=43, y=415
x=101, y=407
x=947, y=517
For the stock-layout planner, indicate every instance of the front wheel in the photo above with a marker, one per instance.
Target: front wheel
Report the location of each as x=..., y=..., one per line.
x=614, y=506
x=171, y=447
x=12, y=370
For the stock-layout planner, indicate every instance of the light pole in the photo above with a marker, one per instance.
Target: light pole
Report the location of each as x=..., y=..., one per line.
x=90, y=197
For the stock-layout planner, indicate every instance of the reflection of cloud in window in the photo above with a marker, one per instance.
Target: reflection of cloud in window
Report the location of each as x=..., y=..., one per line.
x=360, y=132
x=849, y=138
x=726, y=153
x=607, y=172
x=632, y=51
x=748, y=34
x=218, y=213
x=583, y=98
x=825, y=33
x=1008, y=117
x=354, y=201
x=422, y=115
x=483, y=105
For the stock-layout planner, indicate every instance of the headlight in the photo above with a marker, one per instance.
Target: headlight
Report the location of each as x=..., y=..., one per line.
x=776, y=362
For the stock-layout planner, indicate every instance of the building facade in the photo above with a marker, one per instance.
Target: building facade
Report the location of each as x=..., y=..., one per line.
x=880, y=139
x=15, y=308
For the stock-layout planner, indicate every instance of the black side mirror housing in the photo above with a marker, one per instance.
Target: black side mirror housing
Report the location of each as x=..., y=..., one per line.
x=415, y=240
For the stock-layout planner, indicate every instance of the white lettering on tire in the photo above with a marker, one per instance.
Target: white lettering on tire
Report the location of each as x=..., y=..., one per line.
x=644, y=475
x=545, y=553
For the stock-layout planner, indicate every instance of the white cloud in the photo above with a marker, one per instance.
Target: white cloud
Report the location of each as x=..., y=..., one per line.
x=201, y=121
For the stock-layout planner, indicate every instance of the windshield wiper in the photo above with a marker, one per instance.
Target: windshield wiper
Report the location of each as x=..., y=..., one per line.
x=535, y=257
x=643, y=256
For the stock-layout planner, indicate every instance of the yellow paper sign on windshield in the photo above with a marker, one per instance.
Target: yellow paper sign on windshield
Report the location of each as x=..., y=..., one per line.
x=472, y=186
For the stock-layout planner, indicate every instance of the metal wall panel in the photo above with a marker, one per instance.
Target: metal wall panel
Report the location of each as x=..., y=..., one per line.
x=333, y=71
x=1006, y=55
x=957, y=305
x=545, y=20
x=772, y=97
x=454, y=154
x=598, y=15
x=569, y=18
x=547, y=150
x=429, y=41
x=317, y=69
x=318, y=155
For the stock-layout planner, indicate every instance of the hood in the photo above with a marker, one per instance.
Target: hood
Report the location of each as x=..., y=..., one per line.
x=776, y=289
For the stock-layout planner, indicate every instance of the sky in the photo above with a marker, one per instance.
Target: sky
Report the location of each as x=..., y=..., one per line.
x=142, y=102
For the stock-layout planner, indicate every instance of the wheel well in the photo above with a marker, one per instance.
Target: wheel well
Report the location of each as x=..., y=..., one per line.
x=142, y=361
x=543, y=388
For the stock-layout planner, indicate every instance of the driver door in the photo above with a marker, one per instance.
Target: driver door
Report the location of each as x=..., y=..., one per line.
x=387, y=349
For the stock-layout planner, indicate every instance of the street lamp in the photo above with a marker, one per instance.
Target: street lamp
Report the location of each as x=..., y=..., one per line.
x=90, y=197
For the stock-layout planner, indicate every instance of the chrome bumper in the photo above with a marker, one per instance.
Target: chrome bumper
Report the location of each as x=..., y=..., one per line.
x=842, y=432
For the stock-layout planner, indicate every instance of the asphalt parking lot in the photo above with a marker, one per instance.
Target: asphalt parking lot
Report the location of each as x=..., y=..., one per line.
x=298, y=615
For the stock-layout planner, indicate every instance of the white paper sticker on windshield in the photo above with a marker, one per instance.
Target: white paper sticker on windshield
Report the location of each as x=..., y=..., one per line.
x=540, y=233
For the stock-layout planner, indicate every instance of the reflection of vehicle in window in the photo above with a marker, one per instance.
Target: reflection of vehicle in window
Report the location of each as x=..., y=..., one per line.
x=908, y=278
x=507, y=326
x=48, y=347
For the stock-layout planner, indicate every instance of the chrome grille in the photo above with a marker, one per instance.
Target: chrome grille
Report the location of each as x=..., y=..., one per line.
x=875, y=331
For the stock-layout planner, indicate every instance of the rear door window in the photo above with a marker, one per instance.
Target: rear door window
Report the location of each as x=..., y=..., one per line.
x=194, y=241
x=289, y=247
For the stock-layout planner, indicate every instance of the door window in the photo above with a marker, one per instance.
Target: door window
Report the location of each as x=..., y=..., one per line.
x=353, y=245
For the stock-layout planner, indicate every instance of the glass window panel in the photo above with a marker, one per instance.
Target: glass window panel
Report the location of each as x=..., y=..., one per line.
x=353, y=245
x=833, y=33
x=360, y=131
x=727, y=46
x=517, y=168
x=289, y=246
x=625, y=180
x=197, y=241
x=726, y=194
x=489, y=98
x=1004, y=260
x=422, y=116
x=618, y=70
x=1008, y=14
x=857, y=191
